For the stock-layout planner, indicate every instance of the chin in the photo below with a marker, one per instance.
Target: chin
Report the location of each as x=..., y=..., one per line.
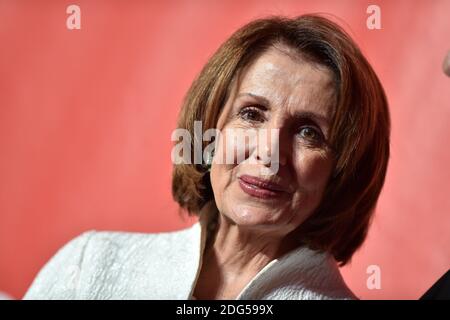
x=248, y=215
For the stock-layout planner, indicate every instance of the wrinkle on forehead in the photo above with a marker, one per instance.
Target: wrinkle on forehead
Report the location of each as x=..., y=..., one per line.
x=273, y=68
x=295, y=82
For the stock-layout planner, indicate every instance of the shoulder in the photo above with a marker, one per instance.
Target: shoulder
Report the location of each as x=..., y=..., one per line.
x=96, y=256
x=138, y=265
x=108, y=242
x=57, y=276
x=108, y=247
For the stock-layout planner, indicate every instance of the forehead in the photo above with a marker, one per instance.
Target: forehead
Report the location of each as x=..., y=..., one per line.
x=289, y=80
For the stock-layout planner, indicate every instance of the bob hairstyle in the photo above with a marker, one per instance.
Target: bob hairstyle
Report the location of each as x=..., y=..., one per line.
x=359, y=132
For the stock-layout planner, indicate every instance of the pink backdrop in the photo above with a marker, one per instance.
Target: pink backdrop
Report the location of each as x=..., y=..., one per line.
x=86, y=117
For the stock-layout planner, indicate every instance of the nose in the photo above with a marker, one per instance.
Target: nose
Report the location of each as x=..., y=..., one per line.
x=275, y=145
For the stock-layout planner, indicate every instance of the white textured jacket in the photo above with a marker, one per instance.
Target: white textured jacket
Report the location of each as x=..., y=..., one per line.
x=126, y=265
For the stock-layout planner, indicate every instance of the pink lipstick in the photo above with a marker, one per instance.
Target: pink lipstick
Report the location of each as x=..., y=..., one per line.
x=260, y=188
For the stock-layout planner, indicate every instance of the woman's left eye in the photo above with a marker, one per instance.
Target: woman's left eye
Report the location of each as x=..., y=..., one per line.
x=310, y=133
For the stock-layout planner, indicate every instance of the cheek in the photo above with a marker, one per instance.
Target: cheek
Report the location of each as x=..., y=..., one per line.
x=222, y=171
x=313, y=169
x=230, y=151
x=234, y=146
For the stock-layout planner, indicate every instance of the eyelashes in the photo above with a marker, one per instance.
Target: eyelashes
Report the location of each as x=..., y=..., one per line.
x=307, y=130
x=252, y=114
x=309, y=133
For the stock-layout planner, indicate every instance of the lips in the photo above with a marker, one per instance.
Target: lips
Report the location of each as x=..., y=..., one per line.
x=260, y=188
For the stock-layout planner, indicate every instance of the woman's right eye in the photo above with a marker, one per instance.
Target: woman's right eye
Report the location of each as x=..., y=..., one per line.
x=252, y=114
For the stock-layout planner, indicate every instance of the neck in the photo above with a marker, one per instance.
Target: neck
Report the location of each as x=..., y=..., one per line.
x=233, y=256
x=240, y=251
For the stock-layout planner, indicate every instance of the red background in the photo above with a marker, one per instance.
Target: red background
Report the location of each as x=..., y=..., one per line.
x=86, y=117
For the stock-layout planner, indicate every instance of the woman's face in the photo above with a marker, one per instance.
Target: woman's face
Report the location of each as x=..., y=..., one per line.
x=276, y=91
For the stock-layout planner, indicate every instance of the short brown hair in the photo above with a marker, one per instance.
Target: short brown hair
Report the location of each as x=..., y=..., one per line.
x=359, y=132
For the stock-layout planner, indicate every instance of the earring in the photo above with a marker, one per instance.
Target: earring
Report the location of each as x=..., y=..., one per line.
x=209, y=160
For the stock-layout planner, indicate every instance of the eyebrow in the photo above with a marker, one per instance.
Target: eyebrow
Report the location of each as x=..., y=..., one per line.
x=300, y=115
x=260, y=98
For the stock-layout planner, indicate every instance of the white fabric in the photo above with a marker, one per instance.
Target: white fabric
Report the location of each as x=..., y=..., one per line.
x=126, y=265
